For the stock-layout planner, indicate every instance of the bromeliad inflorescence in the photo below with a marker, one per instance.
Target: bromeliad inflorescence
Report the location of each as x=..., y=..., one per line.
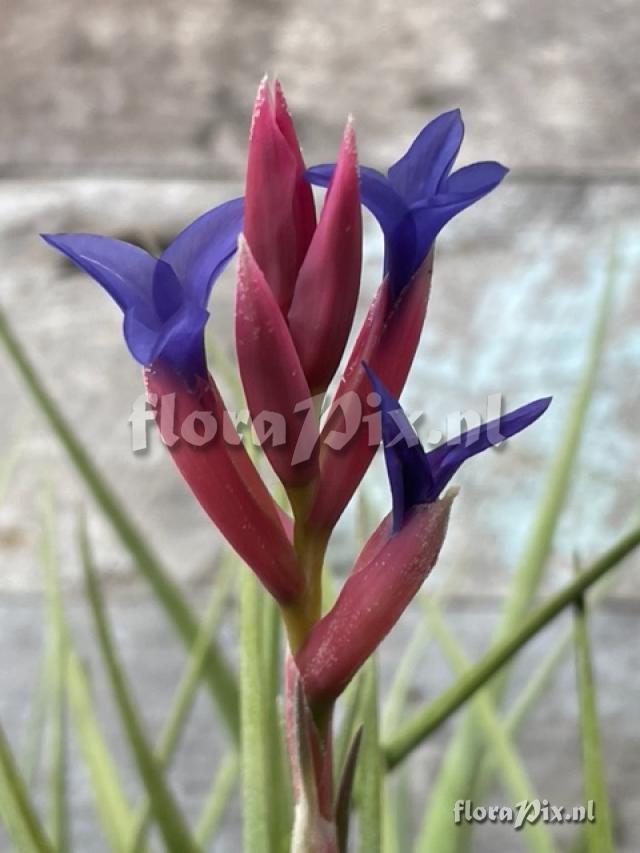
x=298, y=280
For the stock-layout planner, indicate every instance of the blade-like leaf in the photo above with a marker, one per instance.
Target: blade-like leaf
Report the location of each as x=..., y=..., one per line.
x=599, y=835
x=57, y=648
x=187, y=688
x=217, y=799
x=114, y=814
x=459, y=769
x=255, y=774
x=417, y=728
x=218, y=674
x=343, y=800
x=166, y=812
x=396, y=696
x=280, y=798
x=484, y=714
x=351, y=707
x=17, y=812
x=370, y=772
x=33, y=738
x=530, y=694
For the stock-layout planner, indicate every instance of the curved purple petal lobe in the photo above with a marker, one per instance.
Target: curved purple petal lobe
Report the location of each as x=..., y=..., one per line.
x=200, y=252
x=163, y=301
x=419, y=173
x=446, y=459
x=473, y=181
x=416, y=477
x=124, y=271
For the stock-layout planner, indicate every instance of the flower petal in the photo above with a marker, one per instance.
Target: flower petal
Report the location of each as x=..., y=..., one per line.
x=200, y=252
x=445, y=460
x=417, y=174
x=124, y=271
x=476, y=180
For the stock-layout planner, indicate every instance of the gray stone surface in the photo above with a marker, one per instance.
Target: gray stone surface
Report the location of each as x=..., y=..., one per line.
x=166, y=87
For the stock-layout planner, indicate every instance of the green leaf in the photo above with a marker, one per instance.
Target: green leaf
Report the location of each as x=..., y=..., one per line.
x=599, y=836
x=253, y=724
x=218, y=675
x=459, y=769
x=33, y=739
x=483, y=713
x=8, y=464
x=351, y=704
x=280, y=793
x=111, y=804
x=16, y=810
x=413, y=732
x=57, y=652
x=185, y=694
x=345, y=789
x=217, y=799
x=166, y=812
x=370, y=773
x=530, y=694
x=396, y=696
x=114, y=814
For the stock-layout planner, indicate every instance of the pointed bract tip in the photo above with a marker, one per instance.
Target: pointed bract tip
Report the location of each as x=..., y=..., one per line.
x=262, y=102
x=349, y=138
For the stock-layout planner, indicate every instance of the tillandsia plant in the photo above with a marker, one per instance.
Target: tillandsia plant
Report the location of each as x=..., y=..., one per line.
x=298, y=281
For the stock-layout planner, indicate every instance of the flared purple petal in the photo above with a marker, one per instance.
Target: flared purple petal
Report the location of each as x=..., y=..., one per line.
x=474, y=181
x=124, y=271
x=200, y=252
x=416, y=477
x=418, y=174
x=445, y=460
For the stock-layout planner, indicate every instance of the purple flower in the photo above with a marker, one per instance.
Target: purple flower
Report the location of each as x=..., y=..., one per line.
x=419, y=194
x=417, y=477
x=164, y=300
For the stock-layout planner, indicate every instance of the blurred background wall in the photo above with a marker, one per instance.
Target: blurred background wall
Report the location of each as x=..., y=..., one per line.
x=131, y=118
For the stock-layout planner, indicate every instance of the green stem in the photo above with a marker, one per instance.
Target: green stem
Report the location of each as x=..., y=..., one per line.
x=430, y=718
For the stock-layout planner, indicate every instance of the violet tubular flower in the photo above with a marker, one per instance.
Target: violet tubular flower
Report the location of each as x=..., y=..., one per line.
x=164, y=302
x=420, y=194
x=416, y=477
x=412, y=202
